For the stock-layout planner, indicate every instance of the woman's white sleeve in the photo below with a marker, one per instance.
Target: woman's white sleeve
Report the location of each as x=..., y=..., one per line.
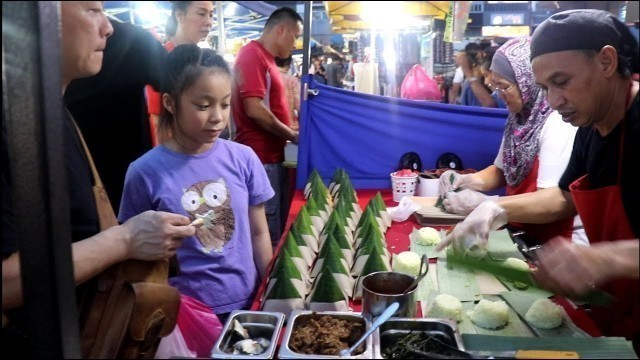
x=556, y=144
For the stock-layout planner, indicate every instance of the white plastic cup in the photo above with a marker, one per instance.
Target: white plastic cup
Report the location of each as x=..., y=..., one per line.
x=427, y=187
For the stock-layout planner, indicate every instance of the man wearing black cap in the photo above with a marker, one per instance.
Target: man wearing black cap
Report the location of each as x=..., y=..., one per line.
x=584, y=60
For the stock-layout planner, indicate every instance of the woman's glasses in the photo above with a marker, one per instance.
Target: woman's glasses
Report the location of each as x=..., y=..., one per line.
x=503, y=91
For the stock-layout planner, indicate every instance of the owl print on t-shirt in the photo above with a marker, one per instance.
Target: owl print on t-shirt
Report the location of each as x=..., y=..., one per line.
x=211, y=201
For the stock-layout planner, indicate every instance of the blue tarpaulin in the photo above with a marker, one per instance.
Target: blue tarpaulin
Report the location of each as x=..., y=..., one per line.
x=367, y=134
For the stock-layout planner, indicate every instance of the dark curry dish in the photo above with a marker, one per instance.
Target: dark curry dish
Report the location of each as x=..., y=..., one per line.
x=325, y=335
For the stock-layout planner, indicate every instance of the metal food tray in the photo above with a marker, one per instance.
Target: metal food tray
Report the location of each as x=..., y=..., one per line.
x=259, y=324
x=392, y=329
x=296, y=315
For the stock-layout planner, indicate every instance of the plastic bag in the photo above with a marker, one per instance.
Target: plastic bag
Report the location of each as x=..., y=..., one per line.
x=174, y=345
x=417, y=85
x=405, y=208
x=200, y=329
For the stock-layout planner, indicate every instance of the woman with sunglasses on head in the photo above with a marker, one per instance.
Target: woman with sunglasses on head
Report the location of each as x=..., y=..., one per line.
x=535, y=149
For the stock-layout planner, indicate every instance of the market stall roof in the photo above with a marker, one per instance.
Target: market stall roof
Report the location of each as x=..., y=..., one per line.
x=350, y=16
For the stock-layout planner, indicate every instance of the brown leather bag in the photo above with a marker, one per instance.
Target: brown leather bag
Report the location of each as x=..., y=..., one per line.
x=132, y=306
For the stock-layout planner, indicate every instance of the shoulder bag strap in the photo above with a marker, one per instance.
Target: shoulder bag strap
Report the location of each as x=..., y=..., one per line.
x=106, y=216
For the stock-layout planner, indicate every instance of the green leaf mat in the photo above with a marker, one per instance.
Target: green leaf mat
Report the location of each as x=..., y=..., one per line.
x=587, y=348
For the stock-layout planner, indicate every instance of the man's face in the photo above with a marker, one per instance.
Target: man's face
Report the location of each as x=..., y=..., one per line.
x=288, y=34
x=85, y=29
x=575, y=85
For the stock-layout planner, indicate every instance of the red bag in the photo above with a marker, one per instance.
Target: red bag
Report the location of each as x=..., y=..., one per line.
x=417, y=85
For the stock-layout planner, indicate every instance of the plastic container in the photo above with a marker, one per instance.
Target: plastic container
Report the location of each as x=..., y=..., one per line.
x=403, y=186
x=427, y=187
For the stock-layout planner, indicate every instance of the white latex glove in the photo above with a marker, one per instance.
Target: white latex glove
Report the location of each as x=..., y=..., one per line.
x=467, y=181
x=470, y=237
x=463, y=202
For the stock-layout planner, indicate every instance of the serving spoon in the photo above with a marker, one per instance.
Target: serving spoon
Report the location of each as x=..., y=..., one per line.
x=388, y=312
x=423, y=262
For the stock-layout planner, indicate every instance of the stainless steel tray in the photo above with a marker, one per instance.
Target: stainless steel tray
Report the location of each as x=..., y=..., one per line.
x=259, y=324
x=296, y=315
x=394, y=328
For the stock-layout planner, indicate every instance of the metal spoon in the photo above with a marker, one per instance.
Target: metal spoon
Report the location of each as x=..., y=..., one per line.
x=421, y=275
x=388, y=312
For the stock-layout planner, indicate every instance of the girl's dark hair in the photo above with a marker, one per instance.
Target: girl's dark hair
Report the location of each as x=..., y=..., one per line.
x=185, y=64
x=172, y=22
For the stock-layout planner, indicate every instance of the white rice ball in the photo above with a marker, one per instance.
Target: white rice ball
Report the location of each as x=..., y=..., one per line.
x=446, y=307
x=544, y=314
x=407, y=262
x=490, y=314
x=516, y=263
x=428, y=236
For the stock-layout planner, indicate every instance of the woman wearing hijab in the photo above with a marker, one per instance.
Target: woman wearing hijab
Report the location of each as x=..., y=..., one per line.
x=536, y=147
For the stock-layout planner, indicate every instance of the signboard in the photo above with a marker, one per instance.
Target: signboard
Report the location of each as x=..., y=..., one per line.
x=456, y=21
x=448, y=26
x=506, y=31
x=507, y=19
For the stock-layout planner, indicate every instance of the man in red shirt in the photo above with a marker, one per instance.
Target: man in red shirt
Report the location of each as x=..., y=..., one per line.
x=259, y=105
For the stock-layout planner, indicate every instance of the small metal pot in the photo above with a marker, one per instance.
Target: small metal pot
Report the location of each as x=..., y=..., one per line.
x=380, y=289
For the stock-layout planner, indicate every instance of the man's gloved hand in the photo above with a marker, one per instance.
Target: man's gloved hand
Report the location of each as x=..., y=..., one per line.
x=465, y=201
x=471, y=236
x=450, y=180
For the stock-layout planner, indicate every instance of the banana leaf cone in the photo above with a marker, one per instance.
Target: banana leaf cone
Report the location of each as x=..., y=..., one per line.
x=375, y=262
x=323, y=201
x=366, y=217
x=344, y=244
x=312, y=247
x=335, y=220
x=330, y=247
x=352, y=195
x=285, y=269
x=283, y=297
x=382, y=209
x=327, y=294
x=369, y=231
x=295, y=250
x=303, y=223
x=367, y=245
x=352, y=205
x=373, y=208
x=336, y=181
x=343, y=208
x=314, y=214
x=336, y=265
x=313, y=178
x=299, y=261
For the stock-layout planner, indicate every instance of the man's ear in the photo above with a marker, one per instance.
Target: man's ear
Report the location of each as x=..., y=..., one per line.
x=608, y=59
x=168, y=104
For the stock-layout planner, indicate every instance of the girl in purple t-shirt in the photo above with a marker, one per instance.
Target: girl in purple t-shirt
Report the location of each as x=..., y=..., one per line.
x=217, y=183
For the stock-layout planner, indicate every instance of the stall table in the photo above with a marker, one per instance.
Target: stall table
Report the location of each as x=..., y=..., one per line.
x=397, y=238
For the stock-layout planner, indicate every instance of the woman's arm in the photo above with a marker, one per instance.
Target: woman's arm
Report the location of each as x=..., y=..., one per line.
x=492, y=178
x=260, y=239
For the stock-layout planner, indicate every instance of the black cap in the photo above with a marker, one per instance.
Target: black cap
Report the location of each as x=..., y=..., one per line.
x=584, y=29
